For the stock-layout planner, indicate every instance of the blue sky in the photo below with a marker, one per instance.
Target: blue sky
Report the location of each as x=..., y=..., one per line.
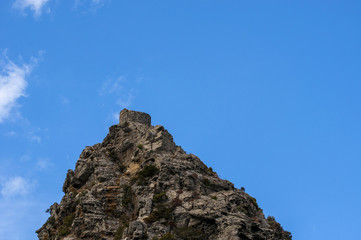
x=267, y=93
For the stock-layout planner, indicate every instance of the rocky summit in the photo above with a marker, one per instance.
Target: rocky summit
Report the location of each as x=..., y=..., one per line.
x=138, y=184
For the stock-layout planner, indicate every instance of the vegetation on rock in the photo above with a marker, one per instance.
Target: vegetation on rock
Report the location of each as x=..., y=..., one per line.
x=67, y=221
x=121, y=189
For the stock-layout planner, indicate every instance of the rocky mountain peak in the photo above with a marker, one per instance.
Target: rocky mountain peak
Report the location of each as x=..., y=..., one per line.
x=138, y=184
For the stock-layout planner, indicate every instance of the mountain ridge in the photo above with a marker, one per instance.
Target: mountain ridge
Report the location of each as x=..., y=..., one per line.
x=138, y=184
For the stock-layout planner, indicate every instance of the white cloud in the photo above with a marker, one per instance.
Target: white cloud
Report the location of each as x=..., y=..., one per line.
x=12, y=86
x=115, y=117
x=125, y=103
x=117, y=87
x=64, y=100
x=43, y=163
x=91, y=5
x=98, y=2
x=34, y=134
x=35, y=138
x=112, y=86
x=34, y=5
x=15, y=186
x=118, y=93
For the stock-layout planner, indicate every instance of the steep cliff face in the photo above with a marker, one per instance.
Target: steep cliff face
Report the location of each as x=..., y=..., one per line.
x=137, y=184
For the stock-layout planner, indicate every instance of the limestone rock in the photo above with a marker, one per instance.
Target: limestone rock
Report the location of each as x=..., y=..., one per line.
x=138, y=184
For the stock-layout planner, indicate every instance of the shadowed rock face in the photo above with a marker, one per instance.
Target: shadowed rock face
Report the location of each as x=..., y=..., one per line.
x=137, y=184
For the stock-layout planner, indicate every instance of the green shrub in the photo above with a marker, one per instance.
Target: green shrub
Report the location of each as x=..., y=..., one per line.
x=271, y=220
x=51, y=220
x=160, y=197
x=140, y=146
x=242, y=209
x=65, y=227
x=119, y=233
x=63, y=232
x=113, y=155
x=278, y=228
x=210, y=184
x=254, y=202
x=147, y=172
x=123, y=224
x=83, y=193
x=184, y=233
x=167, y=236
x=127, y=199
x=206, y=182
x=161, y=211
x=287, y=235
x=190, y=233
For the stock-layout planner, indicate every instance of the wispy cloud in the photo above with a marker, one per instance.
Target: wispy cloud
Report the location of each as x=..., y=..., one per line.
x=15, y=186
x=126, y=101
x=113, y=85
x=12, y=85
x=118, y=94
x=90, y=5
x=37, y=134
x=34, y=5
x=117, y=88
x=99, y=3
x=35, y=138
x=64, y=100
x=43, y=163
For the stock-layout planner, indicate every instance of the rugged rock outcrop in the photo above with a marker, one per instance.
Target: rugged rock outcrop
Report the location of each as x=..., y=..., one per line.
x=137, y=184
